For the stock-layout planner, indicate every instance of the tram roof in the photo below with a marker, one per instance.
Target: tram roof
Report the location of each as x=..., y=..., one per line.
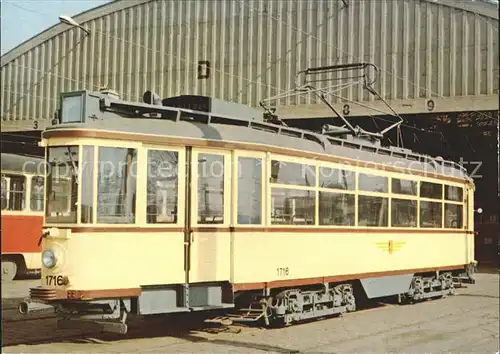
x=20, y=163
x=110, y=116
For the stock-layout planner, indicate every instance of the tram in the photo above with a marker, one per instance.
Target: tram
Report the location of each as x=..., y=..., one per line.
x=22, y=215
x=224, y=207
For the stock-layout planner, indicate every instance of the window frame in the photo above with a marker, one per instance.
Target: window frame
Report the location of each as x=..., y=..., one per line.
x=395, y=197
x=236, y=154
x=433, y=201
x=30, y=196
x=403, y=196
x=181, y=184
x=271, y=185
x=56, y=145
x=26, y=205
x=139, y=216
x=463, y=202
x=353, y=192
x=96, y=184
x=386, y=195
x=228, y=192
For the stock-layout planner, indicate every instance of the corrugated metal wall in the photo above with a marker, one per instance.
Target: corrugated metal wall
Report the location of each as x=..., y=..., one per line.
x=255, y=48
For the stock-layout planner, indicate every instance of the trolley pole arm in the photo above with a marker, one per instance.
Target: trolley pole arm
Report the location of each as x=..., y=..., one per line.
x=337, y=68
x=325, y=101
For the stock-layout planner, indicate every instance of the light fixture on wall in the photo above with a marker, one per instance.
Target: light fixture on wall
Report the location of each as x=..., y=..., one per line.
x=70, y=21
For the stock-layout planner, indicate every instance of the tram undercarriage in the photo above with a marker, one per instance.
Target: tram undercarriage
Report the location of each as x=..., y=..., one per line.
x=269, y=308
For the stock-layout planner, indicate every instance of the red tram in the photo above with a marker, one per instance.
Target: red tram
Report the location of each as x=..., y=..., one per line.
x=22, y=215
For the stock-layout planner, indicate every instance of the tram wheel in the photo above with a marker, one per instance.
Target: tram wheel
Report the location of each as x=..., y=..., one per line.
x=9, y=270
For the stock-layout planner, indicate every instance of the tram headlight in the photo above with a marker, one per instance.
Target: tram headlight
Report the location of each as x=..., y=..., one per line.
x=49, y=258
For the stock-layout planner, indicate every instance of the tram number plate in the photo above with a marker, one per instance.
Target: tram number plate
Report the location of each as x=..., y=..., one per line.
x=282, y=271
x=54, y=280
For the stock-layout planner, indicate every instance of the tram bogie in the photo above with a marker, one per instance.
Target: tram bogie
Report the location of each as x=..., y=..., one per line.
x=166, y=209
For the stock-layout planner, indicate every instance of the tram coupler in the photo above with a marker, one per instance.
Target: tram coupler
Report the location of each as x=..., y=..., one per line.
x=27, y=307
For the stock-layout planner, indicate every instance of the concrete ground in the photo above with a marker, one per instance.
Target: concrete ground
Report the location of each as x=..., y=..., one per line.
x=18, y=289
x=467, y=322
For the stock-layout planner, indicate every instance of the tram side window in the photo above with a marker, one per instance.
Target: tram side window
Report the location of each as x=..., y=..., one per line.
x=453, y=217
x=372, y=211
x=372, y=183
x=162, y=187
x=210, y=189
x=336, y=178
x=430, y=214
x=336, y=209
x=453, y=193
x=431, y=190
x=36, y=202
x=249, y=190
x=404, y=186
x=292, y=206
x=117, y=171
x=13, y=192
x=284, y=172
x=403, y=213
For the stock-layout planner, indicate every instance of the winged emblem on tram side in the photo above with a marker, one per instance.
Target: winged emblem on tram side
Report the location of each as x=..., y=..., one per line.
x=390, y=246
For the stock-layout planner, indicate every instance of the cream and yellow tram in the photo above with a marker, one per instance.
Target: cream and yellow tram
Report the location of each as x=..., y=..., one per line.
x=178, y=210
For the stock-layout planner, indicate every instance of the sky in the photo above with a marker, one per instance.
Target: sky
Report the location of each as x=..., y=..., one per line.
x=23, y=19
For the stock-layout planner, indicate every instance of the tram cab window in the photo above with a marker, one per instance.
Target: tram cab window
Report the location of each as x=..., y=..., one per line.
x=372, y=211
x=249, y=190
x=292, y=206
x=162, y=186
x=13, y=192
x=117, y=172
x=36, y=202
x=62, y=186
x=210, y=189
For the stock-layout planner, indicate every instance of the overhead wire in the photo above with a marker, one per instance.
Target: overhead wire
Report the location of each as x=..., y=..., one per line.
x=383, y=69
x=348, y=54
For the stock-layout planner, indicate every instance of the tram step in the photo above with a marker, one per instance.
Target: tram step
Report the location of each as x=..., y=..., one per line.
x=243, y=318
x=211, y=307
x=251, y=310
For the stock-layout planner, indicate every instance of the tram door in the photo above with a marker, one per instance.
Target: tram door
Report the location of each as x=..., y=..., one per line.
x=208, y=197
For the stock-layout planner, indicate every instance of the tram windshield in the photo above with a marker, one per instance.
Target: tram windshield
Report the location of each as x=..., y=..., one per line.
x=116, y=193
x=62, y=184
